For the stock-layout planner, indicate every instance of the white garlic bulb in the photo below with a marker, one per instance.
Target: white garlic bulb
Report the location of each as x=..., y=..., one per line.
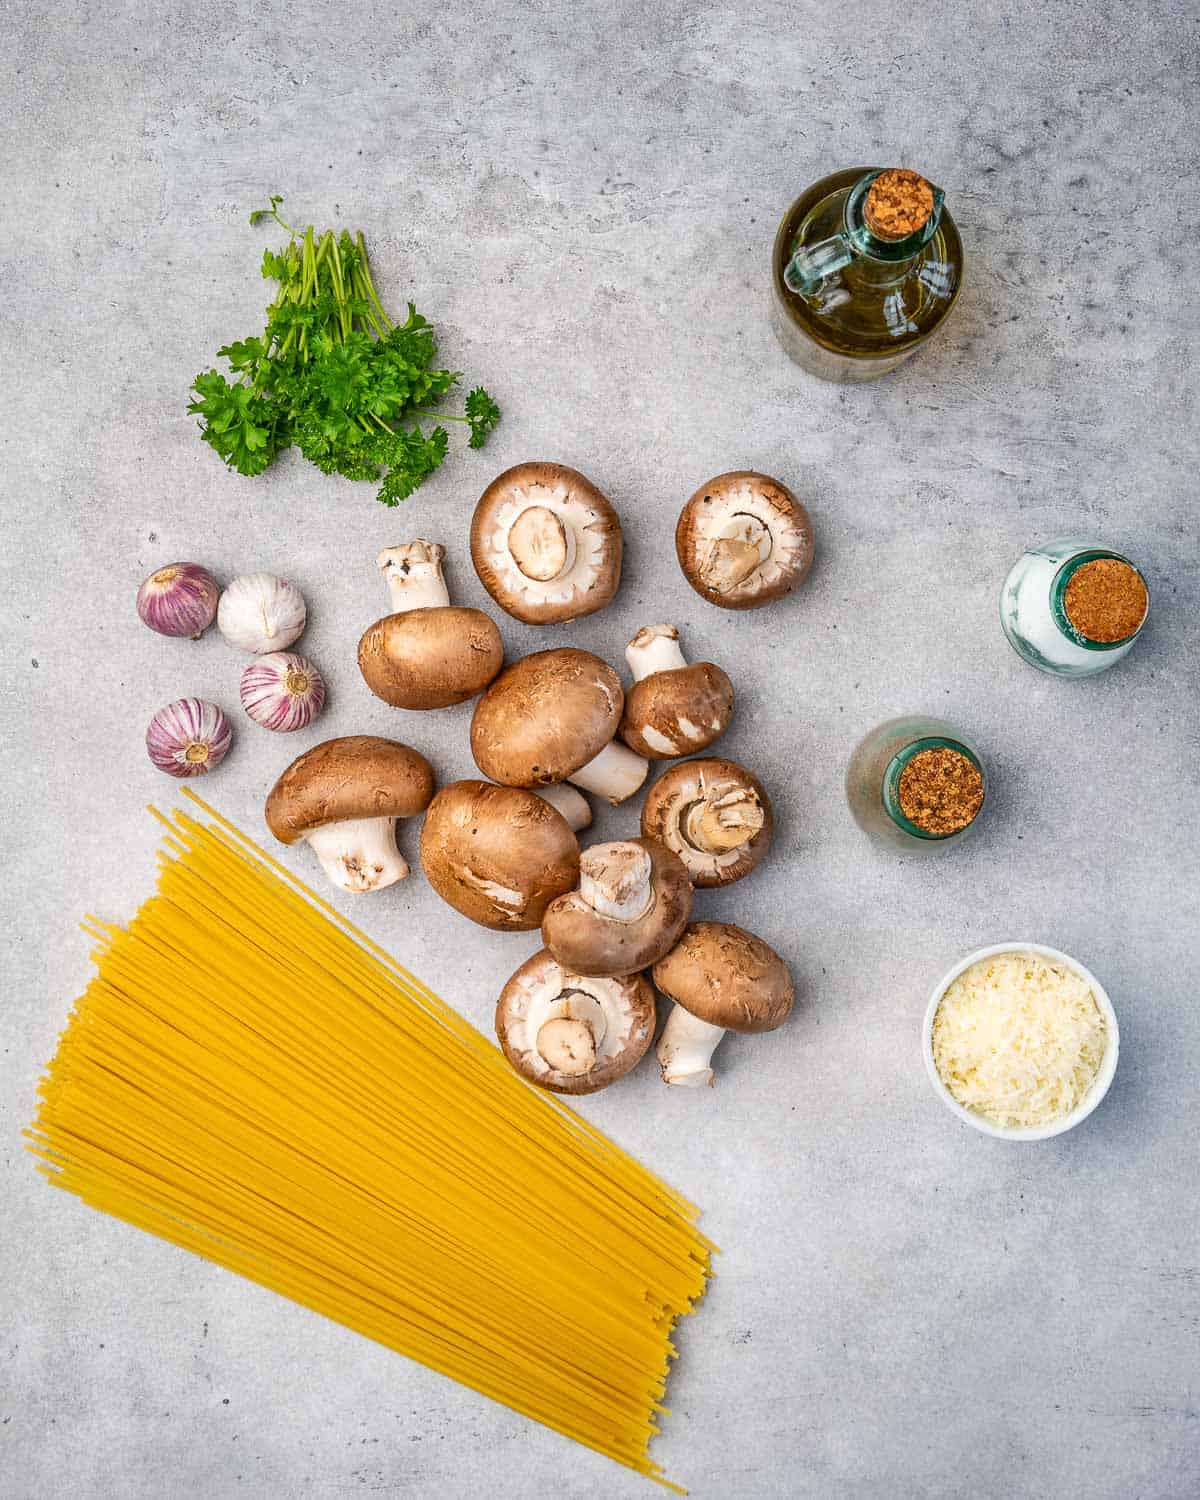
x=259, y=612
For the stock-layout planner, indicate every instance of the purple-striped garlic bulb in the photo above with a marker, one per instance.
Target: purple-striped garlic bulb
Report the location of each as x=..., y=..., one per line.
x=180, y=599
x=282, y=691
x=188, y=737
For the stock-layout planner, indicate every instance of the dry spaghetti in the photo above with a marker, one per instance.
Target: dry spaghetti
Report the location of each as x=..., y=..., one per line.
x=249, y=1076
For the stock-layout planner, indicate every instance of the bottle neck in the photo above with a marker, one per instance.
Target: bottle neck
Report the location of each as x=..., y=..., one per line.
x=885, y=253
x=894, y=771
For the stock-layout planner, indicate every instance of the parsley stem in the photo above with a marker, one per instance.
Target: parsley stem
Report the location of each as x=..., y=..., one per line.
x=339, y=289
x=368, y=284
x=362, y=288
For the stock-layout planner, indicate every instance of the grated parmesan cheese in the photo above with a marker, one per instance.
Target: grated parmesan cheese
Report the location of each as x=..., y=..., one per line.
x=1019, y=1039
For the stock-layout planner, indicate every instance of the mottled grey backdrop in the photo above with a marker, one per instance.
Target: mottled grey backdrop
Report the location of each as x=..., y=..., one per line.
x=583, y=197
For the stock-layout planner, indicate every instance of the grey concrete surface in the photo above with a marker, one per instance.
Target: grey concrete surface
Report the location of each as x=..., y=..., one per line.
x=583, y=198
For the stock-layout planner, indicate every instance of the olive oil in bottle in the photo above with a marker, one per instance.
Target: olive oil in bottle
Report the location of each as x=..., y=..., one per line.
x=867, y=264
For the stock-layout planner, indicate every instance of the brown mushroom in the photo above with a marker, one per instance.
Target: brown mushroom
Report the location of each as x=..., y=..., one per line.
x=714, y=814
x=573, y=1033
x=342, y=798
x=673, y=708
x=546, y=544
x=552, y=717
x=497, y=854
x=429, y=653
x=633, y=901
x=744, y=539
x=721, y=978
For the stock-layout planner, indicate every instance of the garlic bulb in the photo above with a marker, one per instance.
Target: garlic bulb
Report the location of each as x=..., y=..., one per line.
x=180, y=599
x=188, y=737
x=282, y=691
x=261, y=613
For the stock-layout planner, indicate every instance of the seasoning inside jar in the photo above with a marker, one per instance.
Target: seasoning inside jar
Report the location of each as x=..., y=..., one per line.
x=941, y=790
x=1105, y=599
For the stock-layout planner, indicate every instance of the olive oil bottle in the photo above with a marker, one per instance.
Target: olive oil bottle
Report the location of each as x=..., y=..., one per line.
x=867, y=265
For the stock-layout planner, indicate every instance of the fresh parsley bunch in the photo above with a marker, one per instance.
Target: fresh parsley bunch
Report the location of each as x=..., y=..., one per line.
x=334, y=375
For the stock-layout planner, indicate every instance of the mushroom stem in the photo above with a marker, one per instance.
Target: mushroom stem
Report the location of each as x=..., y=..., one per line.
x=541, y=546
x=582, y=1011
x=685, y=1049
x=614, y=880
x=741, y=547
x=573, y=805
x=359, y=854
x=616, y=773
x=722, y=822
x=413, y=573
x=568, y=1045
x=655, y=648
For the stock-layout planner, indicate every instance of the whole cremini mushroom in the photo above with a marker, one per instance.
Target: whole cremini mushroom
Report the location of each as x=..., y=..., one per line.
x=552, y=717
x=633, y=901
x=546, y=544
x=498, y=854
x=572, y=1033
x=744, y=539
x=673, y=708
x=428, y=653
x=342, y=798
x=714, y=814
x=721, y=978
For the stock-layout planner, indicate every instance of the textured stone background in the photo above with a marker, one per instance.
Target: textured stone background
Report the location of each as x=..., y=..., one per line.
x=583, y=197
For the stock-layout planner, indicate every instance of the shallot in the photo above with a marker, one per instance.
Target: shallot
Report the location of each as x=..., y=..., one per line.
x=282, y=691
x=180, y=599
x=188, y=737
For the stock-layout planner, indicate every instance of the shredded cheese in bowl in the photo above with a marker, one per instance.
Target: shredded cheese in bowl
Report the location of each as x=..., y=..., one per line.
x=1019, y=1039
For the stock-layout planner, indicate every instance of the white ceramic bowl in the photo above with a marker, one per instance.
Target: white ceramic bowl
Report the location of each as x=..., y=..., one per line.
x=1099, y=1085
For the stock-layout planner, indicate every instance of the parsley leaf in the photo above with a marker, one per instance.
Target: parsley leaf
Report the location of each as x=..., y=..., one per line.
x=482, y=413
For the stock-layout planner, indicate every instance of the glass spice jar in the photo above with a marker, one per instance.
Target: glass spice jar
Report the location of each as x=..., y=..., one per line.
x=866, y=266
x=1072, y=608
x=915, y=784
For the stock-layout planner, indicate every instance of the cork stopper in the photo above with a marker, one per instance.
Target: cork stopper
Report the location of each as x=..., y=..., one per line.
x=941, y=791
x=1106, y=600
x=899, y=203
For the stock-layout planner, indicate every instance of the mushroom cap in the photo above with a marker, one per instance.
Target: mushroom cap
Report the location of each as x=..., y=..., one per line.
x=678, y=712
x=591, y=942
x=545, y=716
x=430, y=658
x=728, y=977
x=745, y=511
x=359, y=776
x=727, y=796
x=590, y=570
x=497, y=854
x=541, y=987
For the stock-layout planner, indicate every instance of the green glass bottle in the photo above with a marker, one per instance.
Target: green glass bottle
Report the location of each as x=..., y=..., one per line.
x=867, y=264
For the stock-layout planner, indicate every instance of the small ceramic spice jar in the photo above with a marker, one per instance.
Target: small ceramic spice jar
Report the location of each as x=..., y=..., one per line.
x=1073, y=608
x=915, y=784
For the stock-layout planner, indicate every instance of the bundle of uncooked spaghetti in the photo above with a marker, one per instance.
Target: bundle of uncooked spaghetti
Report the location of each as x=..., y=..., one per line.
x=249, y=1076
